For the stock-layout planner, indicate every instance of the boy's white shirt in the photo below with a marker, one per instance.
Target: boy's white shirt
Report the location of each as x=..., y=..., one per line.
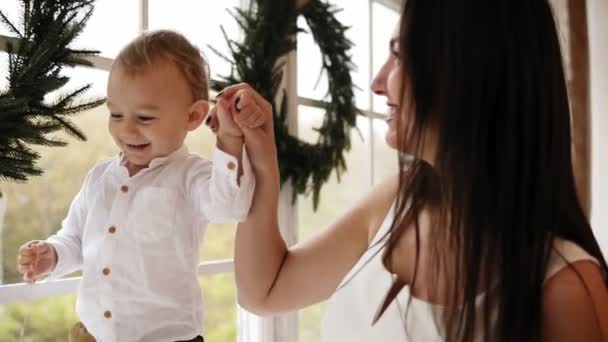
x=137, y=240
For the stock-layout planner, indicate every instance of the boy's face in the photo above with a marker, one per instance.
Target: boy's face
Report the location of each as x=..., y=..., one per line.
x=151, y=112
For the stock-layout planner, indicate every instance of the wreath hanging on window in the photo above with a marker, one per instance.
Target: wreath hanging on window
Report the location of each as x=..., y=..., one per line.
x=270, y=30
x=37, y=53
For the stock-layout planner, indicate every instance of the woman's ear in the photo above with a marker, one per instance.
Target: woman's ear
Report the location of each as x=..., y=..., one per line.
x=197, y=113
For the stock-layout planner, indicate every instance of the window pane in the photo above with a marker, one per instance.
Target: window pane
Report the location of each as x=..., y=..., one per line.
x=11, y=9
x=200, y=22
x=46, y=320
x=3, y=71
x=335, y=199
x=114, y=24
x=50, y=319
x=79, y=77
x=354, y=15
x=384, y=21
x=219, y=295
x=311, y=83
x=309, y=323
x=35, y=209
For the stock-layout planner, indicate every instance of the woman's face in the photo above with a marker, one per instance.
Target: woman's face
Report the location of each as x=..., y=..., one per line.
x=389, y=82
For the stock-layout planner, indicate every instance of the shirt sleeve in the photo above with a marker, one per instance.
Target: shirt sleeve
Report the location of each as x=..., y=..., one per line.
x=217, y=194
x=68, y=240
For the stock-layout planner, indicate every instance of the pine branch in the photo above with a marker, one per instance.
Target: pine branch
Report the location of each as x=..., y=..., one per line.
x=36, y=62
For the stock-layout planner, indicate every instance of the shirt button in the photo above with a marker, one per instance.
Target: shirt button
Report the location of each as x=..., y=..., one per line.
x=112, y=230
x=107, y=314
x=231, y=165
x=105, y=271
x=124, y=188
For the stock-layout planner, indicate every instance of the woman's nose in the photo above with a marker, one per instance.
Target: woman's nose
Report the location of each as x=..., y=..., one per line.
x=378, y=85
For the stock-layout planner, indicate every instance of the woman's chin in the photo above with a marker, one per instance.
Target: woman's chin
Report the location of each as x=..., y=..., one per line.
x=391, y=140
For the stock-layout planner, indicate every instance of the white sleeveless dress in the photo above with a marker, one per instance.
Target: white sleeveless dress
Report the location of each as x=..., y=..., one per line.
x=349, y=312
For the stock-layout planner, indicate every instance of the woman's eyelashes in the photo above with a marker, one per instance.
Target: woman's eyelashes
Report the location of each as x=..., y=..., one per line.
x=394, y=47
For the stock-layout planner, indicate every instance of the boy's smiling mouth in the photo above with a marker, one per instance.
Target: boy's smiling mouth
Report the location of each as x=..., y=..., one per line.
x=137, y=147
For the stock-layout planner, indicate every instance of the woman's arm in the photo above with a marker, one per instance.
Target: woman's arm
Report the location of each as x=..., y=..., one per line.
x=272, y=278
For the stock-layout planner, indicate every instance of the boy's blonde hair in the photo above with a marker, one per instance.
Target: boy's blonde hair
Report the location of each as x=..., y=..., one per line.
x=165, y=45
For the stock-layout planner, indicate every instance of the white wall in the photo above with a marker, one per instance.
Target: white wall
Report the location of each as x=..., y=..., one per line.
x=597, y=11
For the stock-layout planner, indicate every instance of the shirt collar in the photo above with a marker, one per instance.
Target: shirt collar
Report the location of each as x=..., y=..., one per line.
x=180, y=153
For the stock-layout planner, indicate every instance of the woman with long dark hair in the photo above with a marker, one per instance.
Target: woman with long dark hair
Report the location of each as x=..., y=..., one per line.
x=481, y=236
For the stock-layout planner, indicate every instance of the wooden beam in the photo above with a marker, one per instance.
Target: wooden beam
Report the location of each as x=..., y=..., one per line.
x=579, y=88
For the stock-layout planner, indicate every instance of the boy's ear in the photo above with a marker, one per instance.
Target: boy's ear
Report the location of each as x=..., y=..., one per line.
x=198, y=112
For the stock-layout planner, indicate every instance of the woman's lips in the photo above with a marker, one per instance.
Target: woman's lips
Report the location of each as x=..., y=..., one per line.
x=393, y=112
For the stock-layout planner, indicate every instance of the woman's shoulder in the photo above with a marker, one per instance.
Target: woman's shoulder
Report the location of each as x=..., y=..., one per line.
x=564, y=253
x=575, y=296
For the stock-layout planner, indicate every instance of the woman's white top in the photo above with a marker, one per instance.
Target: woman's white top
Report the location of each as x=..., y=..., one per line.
x=350, y=311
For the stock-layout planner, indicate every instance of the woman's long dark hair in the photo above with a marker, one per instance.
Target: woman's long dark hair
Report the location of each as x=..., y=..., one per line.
x=487, y=77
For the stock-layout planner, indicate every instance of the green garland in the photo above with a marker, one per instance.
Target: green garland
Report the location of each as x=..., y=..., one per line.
x=37, y=54
x=270, y=29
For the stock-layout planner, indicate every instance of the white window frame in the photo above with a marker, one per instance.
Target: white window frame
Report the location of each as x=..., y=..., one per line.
x=250, y=328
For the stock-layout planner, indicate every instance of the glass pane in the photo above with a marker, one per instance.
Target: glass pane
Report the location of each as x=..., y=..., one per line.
x=218, y=242
x=11, y=9
x=200, y=22
x=49, y=320
x=79, y=77
x=385, y=157
x=114, y=24
x=384, y=21
x=3, y=71
x=219, y=295
x=311, y=83
x=334, y=199
x=354, y=15
x=46, y=320
x=35, y=209
x=309, y=323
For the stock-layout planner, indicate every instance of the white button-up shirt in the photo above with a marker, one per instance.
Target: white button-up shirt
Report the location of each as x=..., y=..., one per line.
x=137, y=240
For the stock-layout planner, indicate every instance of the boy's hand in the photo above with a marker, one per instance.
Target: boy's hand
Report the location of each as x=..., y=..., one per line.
x=36, y=258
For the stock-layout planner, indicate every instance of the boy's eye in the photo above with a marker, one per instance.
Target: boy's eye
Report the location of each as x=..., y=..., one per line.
x=115, y=116
x=146, y=118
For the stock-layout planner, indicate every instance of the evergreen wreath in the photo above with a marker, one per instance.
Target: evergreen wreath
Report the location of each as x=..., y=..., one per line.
x=270, y=29
x=37, y=54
